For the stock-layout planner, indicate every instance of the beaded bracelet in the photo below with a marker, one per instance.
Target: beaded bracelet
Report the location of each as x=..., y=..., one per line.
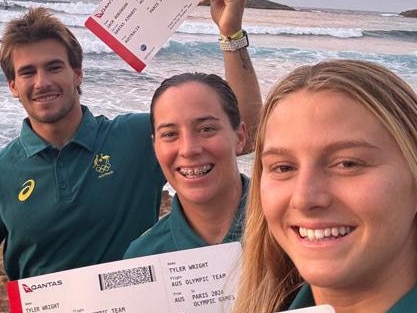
x=234, y=42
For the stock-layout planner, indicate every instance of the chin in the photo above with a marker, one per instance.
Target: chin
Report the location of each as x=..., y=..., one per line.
x=200, y=197
x=325, y=280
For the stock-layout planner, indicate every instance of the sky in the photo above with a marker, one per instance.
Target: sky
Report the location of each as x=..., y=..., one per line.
x=389, y=6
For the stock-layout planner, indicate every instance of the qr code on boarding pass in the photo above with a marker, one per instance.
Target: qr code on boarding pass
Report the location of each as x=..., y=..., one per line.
x=128, y=277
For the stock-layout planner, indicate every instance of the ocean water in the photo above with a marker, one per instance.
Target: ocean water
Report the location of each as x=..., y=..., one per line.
x=279, y=41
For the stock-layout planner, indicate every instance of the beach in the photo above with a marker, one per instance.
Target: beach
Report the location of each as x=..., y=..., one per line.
x=279, y=41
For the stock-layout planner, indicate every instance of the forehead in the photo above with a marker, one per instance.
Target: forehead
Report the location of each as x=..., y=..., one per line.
x=188, y=101
x=318, y=118
x=39, y=52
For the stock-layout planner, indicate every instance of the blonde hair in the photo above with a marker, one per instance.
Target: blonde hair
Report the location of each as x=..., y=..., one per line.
x=269, y=278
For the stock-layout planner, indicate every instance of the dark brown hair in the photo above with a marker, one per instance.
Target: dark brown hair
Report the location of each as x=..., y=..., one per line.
x=35, y=25
x=225, y=93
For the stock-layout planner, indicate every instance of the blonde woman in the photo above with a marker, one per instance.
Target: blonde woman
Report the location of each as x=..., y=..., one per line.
x=332, y=205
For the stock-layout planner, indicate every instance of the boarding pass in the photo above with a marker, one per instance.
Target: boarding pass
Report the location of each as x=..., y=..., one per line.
x=201, y=280
x=137, y=29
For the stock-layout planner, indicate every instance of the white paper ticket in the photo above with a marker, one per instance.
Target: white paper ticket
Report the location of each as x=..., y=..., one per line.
x=137, y=29
x=189, y=281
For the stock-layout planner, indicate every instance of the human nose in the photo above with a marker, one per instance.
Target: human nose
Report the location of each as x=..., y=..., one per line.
x=189, y=145
x=42, y=79
x=311, y=190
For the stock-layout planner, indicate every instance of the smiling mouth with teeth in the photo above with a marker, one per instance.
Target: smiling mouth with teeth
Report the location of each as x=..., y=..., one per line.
x=45, y=98
x=324, y=233
x=195, y=172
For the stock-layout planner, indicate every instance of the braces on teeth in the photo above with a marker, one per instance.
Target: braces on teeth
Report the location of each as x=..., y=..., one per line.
x=196, y=171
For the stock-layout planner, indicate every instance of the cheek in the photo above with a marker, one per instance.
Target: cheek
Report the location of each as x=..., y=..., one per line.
x=222, y=148
x=164, y=154
x=393, y=201
x=271, y=200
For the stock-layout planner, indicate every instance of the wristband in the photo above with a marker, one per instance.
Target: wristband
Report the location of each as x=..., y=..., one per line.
x=239, y=34
x=235, y=42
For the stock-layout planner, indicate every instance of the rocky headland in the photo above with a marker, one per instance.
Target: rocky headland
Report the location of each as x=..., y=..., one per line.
x=261, y=4
x=265, y=4
x=409, y=13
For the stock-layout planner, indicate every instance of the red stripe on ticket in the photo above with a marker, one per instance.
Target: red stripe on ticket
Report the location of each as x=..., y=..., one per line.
x=114, y=44
x=14, y=297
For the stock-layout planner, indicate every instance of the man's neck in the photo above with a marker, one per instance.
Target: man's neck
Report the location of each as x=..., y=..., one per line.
x=59, y=133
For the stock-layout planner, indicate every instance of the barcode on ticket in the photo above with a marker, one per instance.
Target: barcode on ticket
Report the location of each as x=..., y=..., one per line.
x=128, y=277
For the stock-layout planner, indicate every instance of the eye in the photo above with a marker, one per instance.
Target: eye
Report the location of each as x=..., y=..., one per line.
x=55, y=68
x=26, y=73
x=168, y=135
x=349, y=164
x=278, y=167
x=207, y=129
x=279, y=170
x=283, y=168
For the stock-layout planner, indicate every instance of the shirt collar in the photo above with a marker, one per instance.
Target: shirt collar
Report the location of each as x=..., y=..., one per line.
x=188, y=237
x=305, y=298
x=236, y=230
x=84, y=136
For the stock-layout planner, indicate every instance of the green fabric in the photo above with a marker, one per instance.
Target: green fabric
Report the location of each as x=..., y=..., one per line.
x=173, y=233
x=303, y=299
x=90, y=200
x=407, y=304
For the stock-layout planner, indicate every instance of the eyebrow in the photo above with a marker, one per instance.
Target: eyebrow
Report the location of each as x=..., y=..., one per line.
x=198, y=120
x=340, y=145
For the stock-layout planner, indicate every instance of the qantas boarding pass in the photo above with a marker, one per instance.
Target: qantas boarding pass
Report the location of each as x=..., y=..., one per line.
x=200, y=280
x=137, y=29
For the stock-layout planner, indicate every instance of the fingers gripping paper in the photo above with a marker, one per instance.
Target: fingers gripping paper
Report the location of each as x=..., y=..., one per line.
x=137, y=29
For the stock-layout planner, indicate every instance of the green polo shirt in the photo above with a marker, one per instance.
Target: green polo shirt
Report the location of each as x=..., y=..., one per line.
x=407, y=304
x=173, y=233
x=82, y=204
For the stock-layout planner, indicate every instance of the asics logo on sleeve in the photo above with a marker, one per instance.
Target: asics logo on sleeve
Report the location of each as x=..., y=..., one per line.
x=27, y=190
